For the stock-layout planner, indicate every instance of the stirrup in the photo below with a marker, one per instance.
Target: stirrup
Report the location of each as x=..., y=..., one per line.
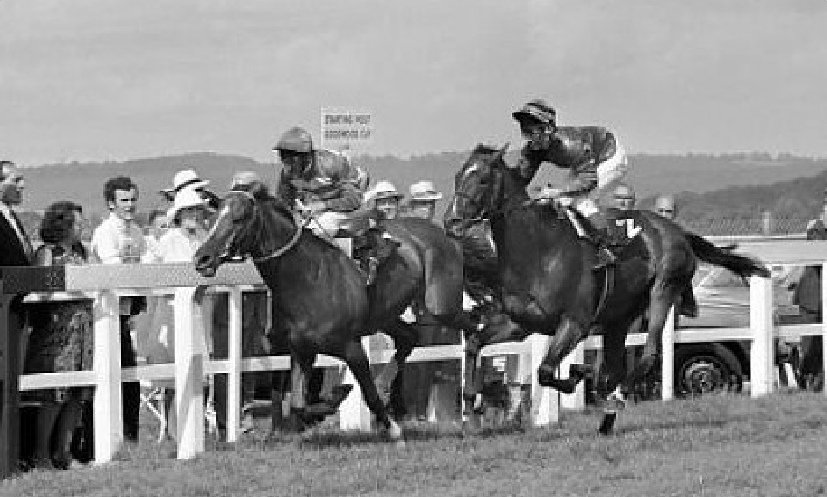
x=605, y=258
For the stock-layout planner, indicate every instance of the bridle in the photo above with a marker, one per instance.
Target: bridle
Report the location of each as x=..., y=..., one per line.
x=298, y=224
x=495, y=198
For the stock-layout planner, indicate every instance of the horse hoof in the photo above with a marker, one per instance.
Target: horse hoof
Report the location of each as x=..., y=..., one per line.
x=395, y=432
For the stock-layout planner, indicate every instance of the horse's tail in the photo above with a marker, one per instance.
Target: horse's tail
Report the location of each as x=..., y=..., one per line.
x=739, y=264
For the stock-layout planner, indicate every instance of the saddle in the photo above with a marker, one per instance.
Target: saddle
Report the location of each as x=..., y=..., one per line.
x=372, y=245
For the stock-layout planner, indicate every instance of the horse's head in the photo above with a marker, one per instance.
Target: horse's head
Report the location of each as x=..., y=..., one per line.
x=478, y=189
x=246, y=222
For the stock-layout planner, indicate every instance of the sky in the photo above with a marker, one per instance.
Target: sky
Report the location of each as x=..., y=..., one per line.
x=92, y=80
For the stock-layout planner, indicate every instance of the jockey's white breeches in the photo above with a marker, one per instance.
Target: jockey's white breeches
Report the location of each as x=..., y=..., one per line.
x=327, y=223
x=613, y=168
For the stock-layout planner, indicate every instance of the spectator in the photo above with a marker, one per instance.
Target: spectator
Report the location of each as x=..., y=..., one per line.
x=666, y=206
x=807, y=295
x=423, y=200
x=157, y=225
x=15, y=246
x=188, y=178
x=60, y=340
x=385, y=198
x=15, y=249
x=119, y=240
x=188, y=215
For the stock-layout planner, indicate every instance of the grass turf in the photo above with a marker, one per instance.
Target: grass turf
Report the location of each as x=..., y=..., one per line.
x=724, y=445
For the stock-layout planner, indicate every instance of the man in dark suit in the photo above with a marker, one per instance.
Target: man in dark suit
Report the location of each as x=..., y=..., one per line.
x=15, y=250
x=15, y=247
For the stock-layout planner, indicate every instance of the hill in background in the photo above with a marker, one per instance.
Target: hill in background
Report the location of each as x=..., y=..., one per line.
x=709, y=186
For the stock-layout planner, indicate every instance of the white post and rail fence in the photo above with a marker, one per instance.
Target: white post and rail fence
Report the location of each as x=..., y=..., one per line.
x=106, y=284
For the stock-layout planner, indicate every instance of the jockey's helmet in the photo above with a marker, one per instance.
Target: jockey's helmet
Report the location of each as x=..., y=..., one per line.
x=536, y=110
x=295, y=139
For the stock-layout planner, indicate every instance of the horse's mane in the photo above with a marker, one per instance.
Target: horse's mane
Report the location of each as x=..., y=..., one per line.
x=262, y=194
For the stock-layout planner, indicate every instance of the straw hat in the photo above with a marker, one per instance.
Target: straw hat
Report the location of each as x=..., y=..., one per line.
x=186, y=178
x=186, y=198
x=424, y=191
x=383, y=189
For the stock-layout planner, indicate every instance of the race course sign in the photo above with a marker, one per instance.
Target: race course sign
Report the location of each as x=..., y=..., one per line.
x=345, y=129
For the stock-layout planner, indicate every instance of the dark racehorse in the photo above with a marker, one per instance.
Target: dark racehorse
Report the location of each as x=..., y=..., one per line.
x=320, y=300
x=547, y=275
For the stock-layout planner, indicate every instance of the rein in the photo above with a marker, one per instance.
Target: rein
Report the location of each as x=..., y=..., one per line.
x=286, y=247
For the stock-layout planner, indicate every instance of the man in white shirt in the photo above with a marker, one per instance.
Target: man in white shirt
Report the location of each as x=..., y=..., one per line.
x=119, y=240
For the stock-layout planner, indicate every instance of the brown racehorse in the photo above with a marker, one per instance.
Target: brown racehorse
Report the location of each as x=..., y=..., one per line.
x=320, y=300
x=547, y=277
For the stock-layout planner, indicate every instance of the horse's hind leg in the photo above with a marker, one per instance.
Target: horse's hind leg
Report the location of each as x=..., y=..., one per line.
x=568, y=335
x=391, y=382
x=358, y=363
x=611, y=371
x=661, y=302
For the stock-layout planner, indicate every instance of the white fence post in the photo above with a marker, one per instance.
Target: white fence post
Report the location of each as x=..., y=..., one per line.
x=544, y=400
x=353, y=412
x=189, y=374
x=107, y=406
x=577, y=399
x=667, y=368
x=234, y=306
x=761, y=351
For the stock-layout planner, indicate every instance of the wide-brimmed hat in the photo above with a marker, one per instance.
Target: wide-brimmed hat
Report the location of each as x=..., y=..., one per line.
x=186, y=178
x=383, y=189
x=186, y=198
x=424, y=191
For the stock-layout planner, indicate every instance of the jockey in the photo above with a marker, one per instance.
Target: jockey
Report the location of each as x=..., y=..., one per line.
x=324, y=183
x=590, y=153
x=330, y=188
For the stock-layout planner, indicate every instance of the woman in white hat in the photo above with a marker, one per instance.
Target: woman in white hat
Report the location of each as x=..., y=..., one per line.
x=188, y=216
x=188, y=179
x=385, y=198
x=423, y=200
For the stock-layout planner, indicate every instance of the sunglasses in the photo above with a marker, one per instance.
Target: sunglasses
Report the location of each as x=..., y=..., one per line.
x=667, y=211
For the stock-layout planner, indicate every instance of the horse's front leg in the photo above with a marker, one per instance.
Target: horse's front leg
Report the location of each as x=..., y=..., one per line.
x=496, y=328
x=357, y=361
x=298, y=385
x=569, y=333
